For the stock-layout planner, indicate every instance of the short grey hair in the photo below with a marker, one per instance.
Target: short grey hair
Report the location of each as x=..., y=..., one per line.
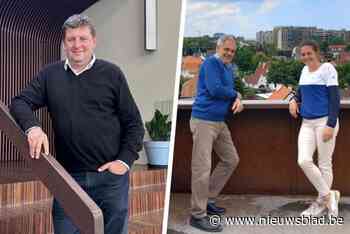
x=224, y=38
x=76, y=21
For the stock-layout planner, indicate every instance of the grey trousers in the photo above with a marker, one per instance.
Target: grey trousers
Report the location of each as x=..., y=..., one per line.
x=208, y=136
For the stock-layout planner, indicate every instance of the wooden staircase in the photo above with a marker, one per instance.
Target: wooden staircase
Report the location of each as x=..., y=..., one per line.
x=25, y=203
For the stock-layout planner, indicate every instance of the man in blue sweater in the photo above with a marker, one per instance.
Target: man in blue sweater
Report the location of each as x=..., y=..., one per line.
x=216, y=96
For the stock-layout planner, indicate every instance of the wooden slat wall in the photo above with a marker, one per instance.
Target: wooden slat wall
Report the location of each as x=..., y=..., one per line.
x=16, y=194
x=27, y=43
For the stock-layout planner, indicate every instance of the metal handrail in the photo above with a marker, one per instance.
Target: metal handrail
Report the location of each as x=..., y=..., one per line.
x=83, y=211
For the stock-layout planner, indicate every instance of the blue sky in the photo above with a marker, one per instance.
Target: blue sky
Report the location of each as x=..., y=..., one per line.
x=246, y=17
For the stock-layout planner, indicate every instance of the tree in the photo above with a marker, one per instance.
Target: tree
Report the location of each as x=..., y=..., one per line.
x=347, y=48
x=269, y=49
x=332, y=40
x=336, y=41
x=239, y=85
x=193, y=45
x=324, y=46
x=284, y=72
x=343, y=75
x=243, y=59
x=243, y=89
x=258, y=58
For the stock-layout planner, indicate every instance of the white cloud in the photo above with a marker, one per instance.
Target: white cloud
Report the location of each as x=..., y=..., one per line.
x=241, y=18
x=211, y=9
x=210, y=17
x=268, y=5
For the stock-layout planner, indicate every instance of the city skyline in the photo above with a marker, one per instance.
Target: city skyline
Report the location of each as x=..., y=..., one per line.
x=204, y=17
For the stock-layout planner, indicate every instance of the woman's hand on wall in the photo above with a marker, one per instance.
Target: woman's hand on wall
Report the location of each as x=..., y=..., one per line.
x=293, y=108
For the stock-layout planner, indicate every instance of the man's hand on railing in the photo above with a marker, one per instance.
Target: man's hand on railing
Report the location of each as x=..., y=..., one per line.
x=37, y=140
x=77, y=204
x=237, y=106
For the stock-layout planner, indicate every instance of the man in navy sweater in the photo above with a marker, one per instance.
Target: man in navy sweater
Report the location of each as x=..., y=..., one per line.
x=97, y=125
x=216, y=96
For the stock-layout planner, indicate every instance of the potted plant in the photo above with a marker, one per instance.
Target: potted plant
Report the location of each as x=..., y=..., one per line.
x=157, y=149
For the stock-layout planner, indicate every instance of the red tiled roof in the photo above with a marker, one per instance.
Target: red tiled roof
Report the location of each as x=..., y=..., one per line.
x=337, y=46
x=191, y=63
x=261, y=70
x=189, y=88
x=252, y=79
x=344, y=57
x=280, y=94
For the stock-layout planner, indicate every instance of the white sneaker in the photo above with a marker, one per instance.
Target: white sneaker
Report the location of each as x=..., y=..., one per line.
x=333, y=203
x=315, y=209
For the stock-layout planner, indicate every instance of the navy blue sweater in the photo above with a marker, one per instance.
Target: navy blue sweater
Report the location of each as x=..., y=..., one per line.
x=94, y=116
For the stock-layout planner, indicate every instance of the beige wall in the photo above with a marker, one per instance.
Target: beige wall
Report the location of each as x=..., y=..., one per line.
x=120, y=39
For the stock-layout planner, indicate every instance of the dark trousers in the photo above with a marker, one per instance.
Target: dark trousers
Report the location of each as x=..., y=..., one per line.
x=110, y=193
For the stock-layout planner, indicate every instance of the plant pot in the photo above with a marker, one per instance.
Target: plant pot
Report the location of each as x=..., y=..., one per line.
x=157, y=153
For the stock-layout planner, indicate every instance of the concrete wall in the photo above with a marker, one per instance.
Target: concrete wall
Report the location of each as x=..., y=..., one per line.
x=120, y=39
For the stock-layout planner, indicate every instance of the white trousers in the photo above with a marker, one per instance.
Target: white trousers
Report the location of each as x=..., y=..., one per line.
x=310, y=139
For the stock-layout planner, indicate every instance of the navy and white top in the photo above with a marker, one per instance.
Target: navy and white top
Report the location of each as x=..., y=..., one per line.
x=318, y=93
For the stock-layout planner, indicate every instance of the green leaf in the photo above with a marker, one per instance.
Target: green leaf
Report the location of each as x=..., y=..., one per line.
x=159, y=127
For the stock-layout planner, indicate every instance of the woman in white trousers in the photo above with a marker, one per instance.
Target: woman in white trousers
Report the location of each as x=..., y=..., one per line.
x=317, y=102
